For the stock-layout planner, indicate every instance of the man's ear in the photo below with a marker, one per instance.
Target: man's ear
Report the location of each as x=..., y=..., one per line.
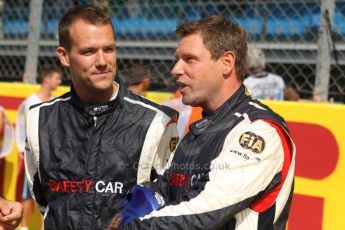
x=63, y=56
x=229, y=59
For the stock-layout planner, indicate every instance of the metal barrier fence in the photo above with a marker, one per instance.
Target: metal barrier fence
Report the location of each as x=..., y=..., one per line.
x=287, y=31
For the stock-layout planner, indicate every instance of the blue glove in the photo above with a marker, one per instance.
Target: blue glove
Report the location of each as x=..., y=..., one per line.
x=139, y=202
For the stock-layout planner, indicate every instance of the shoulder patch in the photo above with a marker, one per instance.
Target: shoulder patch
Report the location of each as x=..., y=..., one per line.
x=246, y=91
x=250, y=140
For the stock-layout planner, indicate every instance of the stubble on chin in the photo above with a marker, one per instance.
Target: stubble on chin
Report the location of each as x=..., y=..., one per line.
x=187, y=100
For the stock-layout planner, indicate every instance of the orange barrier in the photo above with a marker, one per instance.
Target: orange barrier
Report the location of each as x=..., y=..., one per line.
x=318, y=130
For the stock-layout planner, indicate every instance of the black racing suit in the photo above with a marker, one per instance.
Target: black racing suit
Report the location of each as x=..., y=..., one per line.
x=233, y=170
x=82, y=159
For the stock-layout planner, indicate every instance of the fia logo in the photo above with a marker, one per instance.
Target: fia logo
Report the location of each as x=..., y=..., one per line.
x=250, y=140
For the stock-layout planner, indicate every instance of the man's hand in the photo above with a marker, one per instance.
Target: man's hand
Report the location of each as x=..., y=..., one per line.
x=11, y=214
x=139, y=202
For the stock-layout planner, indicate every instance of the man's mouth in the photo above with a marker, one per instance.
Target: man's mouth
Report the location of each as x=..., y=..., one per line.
x=101, y=73
x=181, y=85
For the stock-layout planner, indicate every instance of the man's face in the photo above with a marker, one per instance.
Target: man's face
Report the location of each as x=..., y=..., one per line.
x=54, y=80
x=199, y=76
x=92, y=57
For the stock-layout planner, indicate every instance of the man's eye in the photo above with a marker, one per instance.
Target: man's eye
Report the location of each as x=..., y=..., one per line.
x=109, y=50
x=190, y=60
x=87, y=52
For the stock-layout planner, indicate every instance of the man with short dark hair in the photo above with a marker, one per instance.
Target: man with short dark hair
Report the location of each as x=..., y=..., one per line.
x=234, y=169
x=138, y=78
x=87, y=148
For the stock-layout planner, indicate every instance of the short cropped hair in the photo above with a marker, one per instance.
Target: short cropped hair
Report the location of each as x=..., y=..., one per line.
x=138, y=73
x=219, y=35
x=47, y=71
x=88, y=13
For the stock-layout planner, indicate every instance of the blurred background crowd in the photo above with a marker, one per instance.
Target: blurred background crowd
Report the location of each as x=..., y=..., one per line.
x=303, y=41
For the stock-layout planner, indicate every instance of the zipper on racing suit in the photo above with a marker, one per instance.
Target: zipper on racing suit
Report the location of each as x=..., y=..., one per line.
x=94, y=121
x=94, y=118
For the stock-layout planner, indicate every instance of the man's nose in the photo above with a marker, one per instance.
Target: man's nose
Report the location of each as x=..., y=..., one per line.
x=177, y=70
x=100, y=58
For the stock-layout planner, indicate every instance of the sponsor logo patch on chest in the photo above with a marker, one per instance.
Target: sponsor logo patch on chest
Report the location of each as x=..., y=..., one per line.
x=70, y=186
